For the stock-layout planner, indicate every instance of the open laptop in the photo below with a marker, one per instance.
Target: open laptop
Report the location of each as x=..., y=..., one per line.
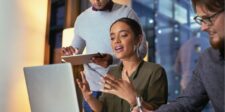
x=51, y=88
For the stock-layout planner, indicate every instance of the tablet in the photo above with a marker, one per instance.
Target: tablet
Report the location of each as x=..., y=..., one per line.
x=79, y=58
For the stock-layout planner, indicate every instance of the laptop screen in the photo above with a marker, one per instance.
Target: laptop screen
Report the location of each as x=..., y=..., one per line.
x=51, y=88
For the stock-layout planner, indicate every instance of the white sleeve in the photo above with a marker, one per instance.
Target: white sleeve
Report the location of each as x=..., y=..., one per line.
x=78, y=42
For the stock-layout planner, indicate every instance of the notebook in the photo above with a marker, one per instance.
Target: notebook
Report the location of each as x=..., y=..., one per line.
x=51, y=88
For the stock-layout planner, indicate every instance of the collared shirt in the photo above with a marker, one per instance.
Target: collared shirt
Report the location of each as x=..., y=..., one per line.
x=150, y=82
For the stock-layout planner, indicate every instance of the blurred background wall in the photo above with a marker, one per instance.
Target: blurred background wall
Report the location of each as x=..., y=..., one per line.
x=22, y=37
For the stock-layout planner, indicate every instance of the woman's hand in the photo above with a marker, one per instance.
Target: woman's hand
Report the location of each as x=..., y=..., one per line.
x=83, y=85
x=122, y=88
x=95, y=105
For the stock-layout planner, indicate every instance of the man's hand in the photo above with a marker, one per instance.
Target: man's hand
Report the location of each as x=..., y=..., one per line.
x=103, y=60
x=66, y=51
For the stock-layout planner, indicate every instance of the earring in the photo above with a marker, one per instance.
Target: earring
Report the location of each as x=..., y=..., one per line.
x=136, y=49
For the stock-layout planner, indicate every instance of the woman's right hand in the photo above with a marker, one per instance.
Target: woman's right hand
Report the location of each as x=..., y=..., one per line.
x=66, y=51
x=83, y=85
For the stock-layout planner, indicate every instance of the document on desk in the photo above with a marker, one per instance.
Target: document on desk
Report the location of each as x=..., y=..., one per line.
x=79, y=58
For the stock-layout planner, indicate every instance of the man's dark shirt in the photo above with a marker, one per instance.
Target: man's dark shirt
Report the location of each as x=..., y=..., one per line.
x=207, y=84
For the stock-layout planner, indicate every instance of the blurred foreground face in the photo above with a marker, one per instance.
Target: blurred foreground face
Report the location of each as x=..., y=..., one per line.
x=123, y=41
x=215, y=29
x=99, y=4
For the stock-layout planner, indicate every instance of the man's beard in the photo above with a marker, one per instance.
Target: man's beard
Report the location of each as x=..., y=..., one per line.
x=219, y=45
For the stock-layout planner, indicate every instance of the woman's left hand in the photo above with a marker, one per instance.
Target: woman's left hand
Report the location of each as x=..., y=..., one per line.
x=122, y=88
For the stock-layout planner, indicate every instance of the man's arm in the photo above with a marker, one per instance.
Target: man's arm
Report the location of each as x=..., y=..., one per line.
x=193, y=99
x=78, y=42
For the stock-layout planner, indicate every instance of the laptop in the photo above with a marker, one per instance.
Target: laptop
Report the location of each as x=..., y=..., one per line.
x=51, y=88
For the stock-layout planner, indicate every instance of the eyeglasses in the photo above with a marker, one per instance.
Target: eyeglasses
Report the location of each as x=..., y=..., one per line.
x=206, y=20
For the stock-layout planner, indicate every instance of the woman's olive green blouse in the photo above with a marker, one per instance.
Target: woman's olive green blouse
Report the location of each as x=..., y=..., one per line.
x=150, y=82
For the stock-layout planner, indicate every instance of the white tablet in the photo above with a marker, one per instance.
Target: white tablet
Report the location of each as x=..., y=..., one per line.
x=80, y=58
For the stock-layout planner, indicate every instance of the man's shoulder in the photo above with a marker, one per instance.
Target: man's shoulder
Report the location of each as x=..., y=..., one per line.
x=209, y=57
x=85, y=13
x=208, y=50
x=210, y=53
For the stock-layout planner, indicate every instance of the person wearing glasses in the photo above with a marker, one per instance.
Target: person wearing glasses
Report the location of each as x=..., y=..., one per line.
x=132, y=83
x=207, y=83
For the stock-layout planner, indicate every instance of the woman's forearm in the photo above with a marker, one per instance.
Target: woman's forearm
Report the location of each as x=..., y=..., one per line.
x=95, y=104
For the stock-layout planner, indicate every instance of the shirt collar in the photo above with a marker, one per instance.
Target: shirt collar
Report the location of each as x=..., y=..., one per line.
x=135, y=73
x=108, y=7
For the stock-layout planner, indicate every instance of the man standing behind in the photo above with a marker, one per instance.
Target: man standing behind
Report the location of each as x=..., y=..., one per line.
x=208, y=77
x=92, y=31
